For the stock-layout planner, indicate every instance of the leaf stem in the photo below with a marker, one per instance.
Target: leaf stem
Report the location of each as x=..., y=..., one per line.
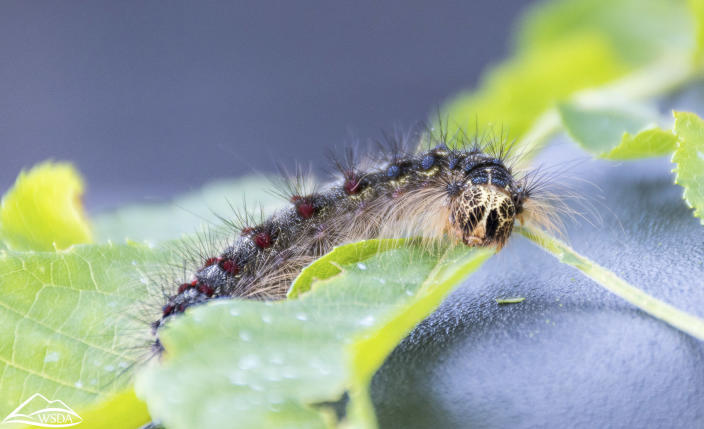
x=681, y=320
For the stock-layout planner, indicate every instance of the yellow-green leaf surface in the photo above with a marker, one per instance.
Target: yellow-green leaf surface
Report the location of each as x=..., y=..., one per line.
x=122, y=410
x=276, y=364
x=188, y=213
x=68, y=322
x=645, y=144
x=689, y=160
x=514, y=94
x=43, y=209
x=697, y=8
x=625, y=132
x=639, y=30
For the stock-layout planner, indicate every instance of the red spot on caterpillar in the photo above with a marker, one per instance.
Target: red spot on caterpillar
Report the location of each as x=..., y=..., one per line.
x=262, y=240
x=229, y=266
x=206, y=290
x=305, y=209
x=168, y=309
x=351, y=185
x=184, y=287
x=211, y=261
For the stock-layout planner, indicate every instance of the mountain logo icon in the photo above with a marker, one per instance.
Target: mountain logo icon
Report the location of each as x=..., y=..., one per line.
x=39, y=411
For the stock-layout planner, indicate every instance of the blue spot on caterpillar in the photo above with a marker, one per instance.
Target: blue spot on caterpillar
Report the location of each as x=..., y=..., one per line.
x=427, y=162
x=460, y=190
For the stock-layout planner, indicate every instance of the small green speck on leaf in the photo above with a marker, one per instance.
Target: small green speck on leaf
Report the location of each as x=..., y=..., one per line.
x=516, y=300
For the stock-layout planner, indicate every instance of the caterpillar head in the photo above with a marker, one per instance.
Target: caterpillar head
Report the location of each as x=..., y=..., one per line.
x=484, y=211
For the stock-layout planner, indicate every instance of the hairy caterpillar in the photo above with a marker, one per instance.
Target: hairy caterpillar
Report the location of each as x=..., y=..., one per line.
x=462, y=189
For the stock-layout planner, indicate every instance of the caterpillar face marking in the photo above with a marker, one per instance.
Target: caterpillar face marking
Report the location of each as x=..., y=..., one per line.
x=468, y=195
x=483, y=216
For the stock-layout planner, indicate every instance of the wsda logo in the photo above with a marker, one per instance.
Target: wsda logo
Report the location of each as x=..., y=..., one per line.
x=39, y=411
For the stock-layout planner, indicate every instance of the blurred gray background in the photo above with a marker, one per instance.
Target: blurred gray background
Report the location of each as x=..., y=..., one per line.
x=153, y=98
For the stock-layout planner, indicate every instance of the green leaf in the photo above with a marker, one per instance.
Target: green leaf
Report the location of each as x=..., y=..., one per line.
x=513, y=95
x=68, y=322
x=697, y=8
x=607, y=131
x=689, y=160
x=121, y=411
x=640, y=31
x=190, y=212
x=330, y=265
x=43, y=210
x=649, y=143
x=275, y=364
x=636, y=48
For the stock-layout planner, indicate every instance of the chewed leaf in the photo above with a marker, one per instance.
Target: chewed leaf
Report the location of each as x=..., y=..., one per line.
x=43, y=210
x=330, y=264
x=64, y=317
x=276, y=364
x=648, y=143
x=624, y=132
x=689, y=160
